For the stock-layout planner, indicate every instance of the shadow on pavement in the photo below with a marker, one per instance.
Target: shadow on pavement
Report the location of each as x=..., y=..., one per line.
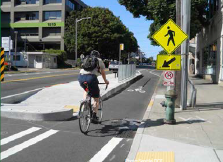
x=160, y=122
x=115, y=127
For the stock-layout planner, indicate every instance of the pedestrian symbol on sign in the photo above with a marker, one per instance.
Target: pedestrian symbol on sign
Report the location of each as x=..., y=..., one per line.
x=171, y=34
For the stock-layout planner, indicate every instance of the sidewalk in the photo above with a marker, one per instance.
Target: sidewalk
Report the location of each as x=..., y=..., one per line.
x=57, y=102
x=197, y=136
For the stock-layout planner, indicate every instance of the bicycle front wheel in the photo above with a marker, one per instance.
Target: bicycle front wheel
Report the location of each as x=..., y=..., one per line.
x=84, y=117
x=100, y=112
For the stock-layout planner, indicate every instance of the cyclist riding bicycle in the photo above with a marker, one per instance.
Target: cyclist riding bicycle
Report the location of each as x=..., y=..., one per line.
x=92, y=67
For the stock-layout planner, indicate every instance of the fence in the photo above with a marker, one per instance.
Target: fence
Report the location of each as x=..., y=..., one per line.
x=193, y=94
x=126, y=72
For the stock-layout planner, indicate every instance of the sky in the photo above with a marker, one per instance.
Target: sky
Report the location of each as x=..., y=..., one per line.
x=139, y=26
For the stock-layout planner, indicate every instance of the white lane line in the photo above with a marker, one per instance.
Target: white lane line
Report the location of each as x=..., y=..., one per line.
x=151, y=72
x=26, y=144
x=21, y=93
x=122, y=145
x=19, y=135
x=112, y=158
x=106, y=150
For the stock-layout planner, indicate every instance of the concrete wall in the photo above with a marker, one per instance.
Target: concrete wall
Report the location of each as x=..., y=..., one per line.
x=208, y=36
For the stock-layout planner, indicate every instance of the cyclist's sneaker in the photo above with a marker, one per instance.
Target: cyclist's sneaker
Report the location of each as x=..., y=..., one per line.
x=95, y=119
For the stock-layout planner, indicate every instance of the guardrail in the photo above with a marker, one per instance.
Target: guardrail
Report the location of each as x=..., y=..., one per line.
x=126, y=72
x=193, y=94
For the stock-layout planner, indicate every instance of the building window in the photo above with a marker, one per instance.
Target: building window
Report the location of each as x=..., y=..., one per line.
x=70, y=4
x=5, y=17
x=52, y=1
x=51, y=32
x=209, y=59
x=52, y=15
x=24, y=16
x=28, y=31
x=213, y=6
x=24, y=2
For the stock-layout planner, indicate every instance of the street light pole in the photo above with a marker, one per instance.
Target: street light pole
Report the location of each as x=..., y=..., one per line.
x=185, y=23
x=16, y=33
x=76, y=21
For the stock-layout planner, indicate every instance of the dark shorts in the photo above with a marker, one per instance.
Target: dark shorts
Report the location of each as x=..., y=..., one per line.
x=92, y=81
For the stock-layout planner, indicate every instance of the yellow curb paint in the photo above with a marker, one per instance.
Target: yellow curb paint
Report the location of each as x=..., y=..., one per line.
x=151, y=103
x=75, y=108
x=155, y=156
x=48, y=76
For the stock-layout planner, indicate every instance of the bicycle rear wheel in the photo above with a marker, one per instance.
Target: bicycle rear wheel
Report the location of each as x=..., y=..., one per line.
x=84, y=117
x=100, y=112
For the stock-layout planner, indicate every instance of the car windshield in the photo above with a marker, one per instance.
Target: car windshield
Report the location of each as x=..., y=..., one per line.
x=114, y=62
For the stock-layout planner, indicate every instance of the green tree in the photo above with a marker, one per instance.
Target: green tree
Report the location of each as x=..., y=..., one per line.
x=103, y=32
x=161, y=10
x=163, y=52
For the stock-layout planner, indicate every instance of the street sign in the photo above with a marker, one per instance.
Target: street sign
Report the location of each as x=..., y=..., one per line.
x=122, y=47
x=170, y=36
x=5, y=43
x=169, y=78
x=168, y=62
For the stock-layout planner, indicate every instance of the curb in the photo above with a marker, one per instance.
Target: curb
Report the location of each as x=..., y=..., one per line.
x=25, y=115
x=139, y=133
x=120, y=87
x=64, y=114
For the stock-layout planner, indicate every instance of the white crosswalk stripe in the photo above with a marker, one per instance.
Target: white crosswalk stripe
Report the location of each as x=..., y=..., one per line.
x=106, y=150
x=26, y=144
x=19, y=135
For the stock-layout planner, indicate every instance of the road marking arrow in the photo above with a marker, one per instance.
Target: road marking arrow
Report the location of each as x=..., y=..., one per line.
x=166, y=64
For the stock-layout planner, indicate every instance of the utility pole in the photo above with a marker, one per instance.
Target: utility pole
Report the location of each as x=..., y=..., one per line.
x=76, y=43
x=185, y=25
x=16, y=33
x=76, y=21
x=177, y=87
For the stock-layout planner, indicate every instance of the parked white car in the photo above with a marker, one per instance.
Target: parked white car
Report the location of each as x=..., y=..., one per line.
x=113, y=65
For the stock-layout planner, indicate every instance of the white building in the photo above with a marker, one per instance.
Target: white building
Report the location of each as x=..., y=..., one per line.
x=33, y=59
x=209, y=49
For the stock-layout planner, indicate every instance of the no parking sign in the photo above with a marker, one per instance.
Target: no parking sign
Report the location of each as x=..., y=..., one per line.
x=169, y=78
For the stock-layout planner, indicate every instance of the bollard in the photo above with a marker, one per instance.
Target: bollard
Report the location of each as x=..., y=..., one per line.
x=170, y=107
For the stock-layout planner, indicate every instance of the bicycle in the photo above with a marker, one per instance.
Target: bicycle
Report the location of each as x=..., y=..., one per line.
x=86, y=111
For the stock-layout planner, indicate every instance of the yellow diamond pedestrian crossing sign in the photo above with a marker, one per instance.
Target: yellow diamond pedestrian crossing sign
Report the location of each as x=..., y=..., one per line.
x=170, y=36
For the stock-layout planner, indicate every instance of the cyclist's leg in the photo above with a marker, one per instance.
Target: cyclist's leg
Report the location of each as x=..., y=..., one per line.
x=82, y=79
x=96, y=105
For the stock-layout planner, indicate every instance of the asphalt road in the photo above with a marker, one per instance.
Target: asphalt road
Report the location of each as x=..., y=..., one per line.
x=63, y=141
x=18, y=83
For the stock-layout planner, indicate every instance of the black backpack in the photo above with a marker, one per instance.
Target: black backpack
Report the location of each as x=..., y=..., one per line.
x=90, y=63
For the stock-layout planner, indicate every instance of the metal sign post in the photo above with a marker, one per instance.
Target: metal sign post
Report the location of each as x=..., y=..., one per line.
x=185, y=22
x=121, y=48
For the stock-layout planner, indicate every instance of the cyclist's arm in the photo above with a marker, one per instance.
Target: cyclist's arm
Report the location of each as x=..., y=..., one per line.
x=104, y=76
